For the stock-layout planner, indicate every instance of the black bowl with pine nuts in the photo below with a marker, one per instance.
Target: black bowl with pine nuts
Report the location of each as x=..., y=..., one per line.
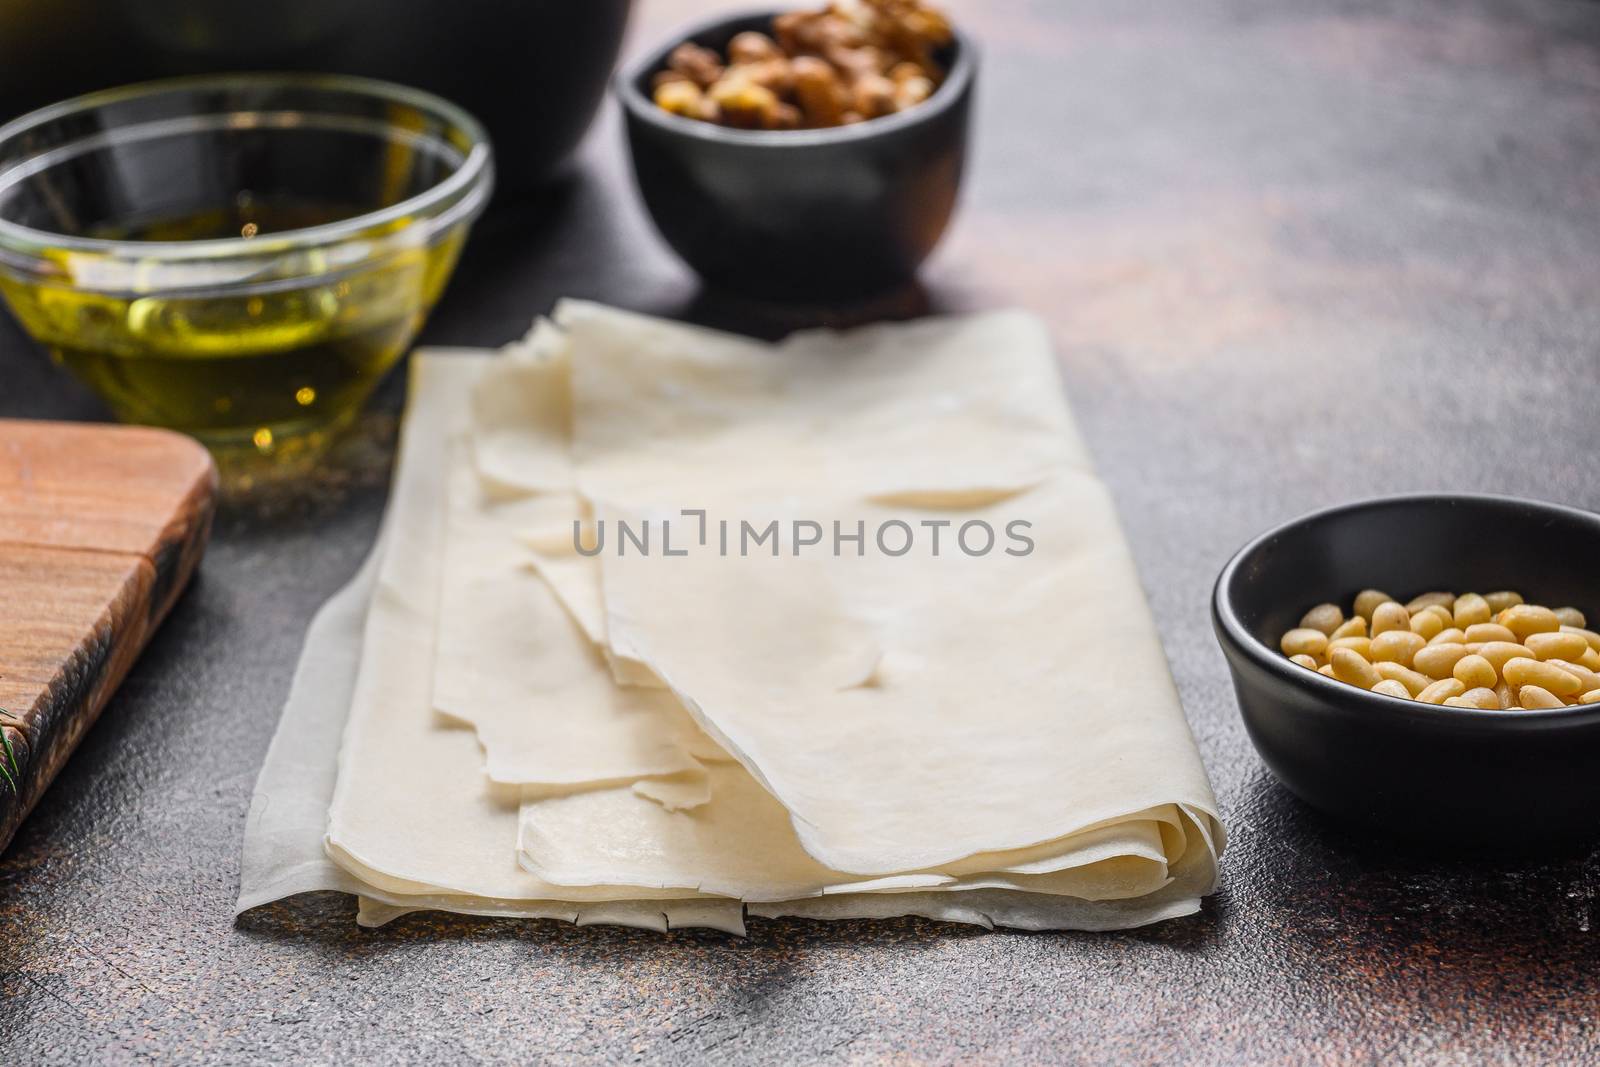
x=1492, y=744
x=839, y=212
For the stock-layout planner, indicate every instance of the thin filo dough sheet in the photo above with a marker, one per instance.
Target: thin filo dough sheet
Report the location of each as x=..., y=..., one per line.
x=543, y=800
x=607, y=835
x=971, y=732
x=389, y=843
x=413, y=812
x=514, y=664
x=285, y=849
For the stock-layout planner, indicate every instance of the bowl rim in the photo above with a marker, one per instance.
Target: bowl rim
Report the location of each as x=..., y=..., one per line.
x=1233, y=633
x=625, y=85
x=476, y=169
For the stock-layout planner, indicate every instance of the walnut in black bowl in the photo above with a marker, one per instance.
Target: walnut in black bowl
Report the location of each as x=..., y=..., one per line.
x=803, y=214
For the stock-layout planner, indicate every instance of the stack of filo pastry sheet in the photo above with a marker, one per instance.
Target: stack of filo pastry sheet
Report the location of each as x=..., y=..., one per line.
x=667, y=627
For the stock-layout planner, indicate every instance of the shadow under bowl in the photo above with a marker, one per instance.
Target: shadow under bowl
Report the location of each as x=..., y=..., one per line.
x=827, y=214
x=1499, y=781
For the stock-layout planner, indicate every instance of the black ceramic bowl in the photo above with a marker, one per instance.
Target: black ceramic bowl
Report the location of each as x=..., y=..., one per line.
x=1499, y=779
x=824, y=214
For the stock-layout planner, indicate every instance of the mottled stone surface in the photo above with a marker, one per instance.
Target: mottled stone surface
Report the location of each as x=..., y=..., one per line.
x=1292, y=253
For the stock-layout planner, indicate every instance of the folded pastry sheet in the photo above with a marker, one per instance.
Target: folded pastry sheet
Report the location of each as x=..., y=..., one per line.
x=666, y=627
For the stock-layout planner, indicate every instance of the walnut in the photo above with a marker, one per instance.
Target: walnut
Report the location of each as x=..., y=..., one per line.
x=852, y=61
x=699, y=65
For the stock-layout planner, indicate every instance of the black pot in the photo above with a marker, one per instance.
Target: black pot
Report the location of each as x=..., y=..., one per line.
x=827, y=214
x=1502, y=780
x=534, y=72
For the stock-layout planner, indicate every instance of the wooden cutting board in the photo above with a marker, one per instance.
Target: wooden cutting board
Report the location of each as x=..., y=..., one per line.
x=100, y=529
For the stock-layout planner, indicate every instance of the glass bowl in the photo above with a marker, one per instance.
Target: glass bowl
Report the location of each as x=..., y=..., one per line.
x=238, y=257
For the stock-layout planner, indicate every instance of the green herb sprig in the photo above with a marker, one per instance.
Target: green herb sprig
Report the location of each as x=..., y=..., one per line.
x=8, y=761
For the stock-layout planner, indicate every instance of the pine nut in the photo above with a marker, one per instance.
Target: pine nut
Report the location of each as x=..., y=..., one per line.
x=1533, y=698
x=1437, y=661
x=1523, y=672
x=1414, y=681
x=1480, y=697
x=1361, y=646
x=1470, y=609
x=1440, y=610
x=1390, y=688
x=1442, y=599
x=1367, y=601
x=1498, y=653
x=1390, y=616
x=1587, y=679
x=1571, y=617
x=1588, y=635
x=1427, y=624
x=1304, y=642
x=1556, y=646
x=1396, y=646
x=1350, y=667
x=1355, y=626
x=1489, y=631
x=1525, y=619
x=1442, y=690
x=1324, y=617
x=1501, y=600
x=1475, y=672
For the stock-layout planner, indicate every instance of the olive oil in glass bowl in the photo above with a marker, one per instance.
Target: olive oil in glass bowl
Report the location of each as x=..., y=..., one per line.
x=239, y=257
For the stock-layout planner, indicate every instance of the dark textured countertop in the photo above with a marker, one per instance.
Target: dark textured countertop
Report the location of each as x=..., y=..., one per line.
x=1291, y=253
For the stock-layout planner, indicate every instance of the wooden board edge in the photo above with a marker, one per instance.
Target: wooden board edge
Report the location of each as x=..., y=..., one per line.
x=44, y=736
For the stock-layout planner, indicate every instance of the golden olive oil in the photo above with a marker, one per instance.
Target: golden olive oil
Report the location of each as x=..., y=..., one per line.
x=262, y=373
